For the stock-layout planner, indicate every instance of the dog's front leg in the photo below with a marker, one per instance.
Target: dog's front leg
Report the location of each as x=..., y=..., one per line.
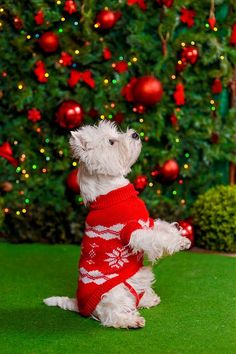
x=162, y=239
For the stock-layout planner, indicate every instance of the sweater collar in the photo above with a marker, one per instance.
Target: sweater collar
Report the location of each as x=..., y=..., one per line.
x=114, y=197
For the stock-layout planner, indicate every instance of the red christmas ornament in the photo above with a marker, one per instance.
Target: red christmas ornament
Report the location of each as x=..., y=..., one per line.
x=121, y=66
x=173, y=120
x=140, y=3
x=140, y=183
x=187, y=230
x=212, y=22
x=127, y=90
x=6, y=153
x=34, y=115
x=70, y=6
x=232, y=40
x=179, y=95
x=49, y=42
x=169, y=171
x=187, y=16
x=76, y=76
x=216, y=86
x=65, y=59
x=106, y=19
x=181, y=65
x=72, y=181
x=119, y=117
x=167, y=3
x=69, y=114
x=17, y=23
x=106, y=53
x=190, y=54
x=147, y=91
x=40, y=71
x=39, y=17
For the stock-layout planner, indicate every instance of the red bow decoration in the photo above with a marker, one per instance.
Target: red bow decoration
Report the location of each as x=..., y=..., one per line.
x=233, y=35
x=187, y=16
x=65, y=59
x=140, y=3
x=70, y=6
x=178, y=95
x=40, y=71
x=127, y=90
x=6, y=153
x=39, y=18
x=76, y=76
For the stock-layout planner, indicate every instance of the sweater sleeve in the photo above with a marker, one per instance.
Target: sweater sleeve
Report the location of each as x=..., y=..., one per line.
x=127, y=231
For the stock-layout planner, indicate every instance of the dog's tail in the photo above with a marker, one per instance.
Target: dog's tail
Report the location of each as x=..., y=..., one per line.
x=63, y=302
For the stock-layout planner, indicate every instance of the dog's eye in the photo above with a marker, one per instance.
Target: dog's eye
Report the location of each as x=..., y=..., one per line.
x=111, y=142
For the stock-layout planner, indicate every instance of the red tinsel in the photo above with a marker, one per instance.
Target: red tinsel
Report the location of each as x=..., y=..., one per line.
x=178, y=95
x=121, y=66
x=40, y=71
x=66, y=59
x=76, y=76
x=187, y=16
x=6, y=153
x=39, y=17
x=34, y=115
x=140, y=3
x=70, y=6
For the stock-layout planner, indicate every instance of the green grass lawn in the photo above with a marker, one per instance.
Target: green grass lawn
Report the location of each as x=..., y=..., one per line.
x=197, y=313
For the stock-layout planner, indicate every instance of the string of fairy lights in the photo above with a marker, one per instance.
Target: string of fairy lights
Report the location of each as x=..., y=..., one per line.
x=24, y=174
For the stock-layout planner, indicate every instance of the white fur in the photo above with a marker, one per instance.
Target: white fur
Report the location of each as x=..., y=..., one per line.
x=103, y=168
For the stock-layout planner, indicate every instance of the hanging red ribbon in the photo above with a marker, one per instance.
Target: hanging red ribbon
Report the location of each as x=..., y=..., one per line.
x=140, y=3
x=6, y=153
x=76, y=76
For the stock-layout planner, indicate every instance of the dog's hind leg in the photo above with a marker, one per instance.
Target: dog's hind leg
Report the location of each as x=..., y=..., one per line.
x=63, y=302
x=118, y=309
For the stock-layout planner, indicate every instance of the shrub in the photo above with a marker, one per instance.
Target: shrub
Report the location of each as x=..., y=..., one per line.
x=214, y=218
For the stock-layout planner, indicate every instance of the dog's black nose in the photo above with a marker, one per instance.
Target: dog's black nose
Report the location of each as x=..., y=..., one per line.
x=135, y=136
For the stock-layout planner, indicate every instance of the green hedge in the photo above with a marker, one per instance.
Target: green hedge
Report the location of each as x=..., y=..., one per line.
x=214, y=218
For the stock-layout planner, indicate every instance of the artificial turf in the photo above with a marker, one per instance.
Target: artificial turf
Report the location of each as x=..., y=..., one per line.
x=197, y=313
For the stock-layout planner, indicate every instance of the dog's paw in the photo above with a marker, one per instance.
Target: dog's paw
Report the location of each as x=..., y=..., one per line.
x=149, y=300
x=184, y=243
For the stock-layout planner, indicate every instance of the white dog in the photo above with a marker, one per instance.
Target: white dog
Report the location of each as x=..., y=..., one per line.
x=113, y=282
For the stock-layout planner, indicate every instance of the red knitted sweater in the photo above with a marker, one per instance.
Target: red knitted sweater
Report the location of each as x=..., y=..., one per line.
x=106, y=259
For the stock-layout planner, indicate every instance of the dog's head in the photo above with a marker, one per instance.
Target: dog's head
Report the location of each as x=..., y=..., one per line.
x=105, y=150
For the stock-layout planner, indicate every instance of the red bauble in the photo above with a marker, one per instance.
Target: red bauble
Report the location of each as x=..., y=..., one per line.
x=18, y=23
x=39, y=17
x=181, y=65
x=147, y=91
x=34, y=115
x=70, y=6
x=190, y=54
x=121, y=66
x=69, y=114
x=173, y=120
x=106, y=19
x=49, y=42
x=140, y=183
x=187, y=16
x=187, y=230
x=232, y=40
x=169, y=171
x=106, y=53
x=72, y=181
x=216, y=86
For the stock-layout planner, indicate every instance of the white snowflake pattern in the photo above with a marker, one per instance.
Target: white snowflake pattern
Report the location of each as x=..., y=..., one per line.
x=118, y=257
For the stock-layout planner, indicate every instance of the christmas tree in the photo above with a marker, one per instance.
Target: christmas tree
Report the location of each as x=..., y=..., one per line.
x=165, y=68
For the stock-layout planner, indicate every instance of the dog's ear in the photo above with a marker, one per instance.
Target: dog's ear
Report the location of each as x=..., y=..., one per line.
x=78, y=143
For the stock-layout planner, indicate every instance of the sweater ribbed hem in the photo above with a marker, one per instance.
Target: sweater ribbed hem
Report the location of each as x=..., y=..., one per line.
x=93, y=301
x=114, y=197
